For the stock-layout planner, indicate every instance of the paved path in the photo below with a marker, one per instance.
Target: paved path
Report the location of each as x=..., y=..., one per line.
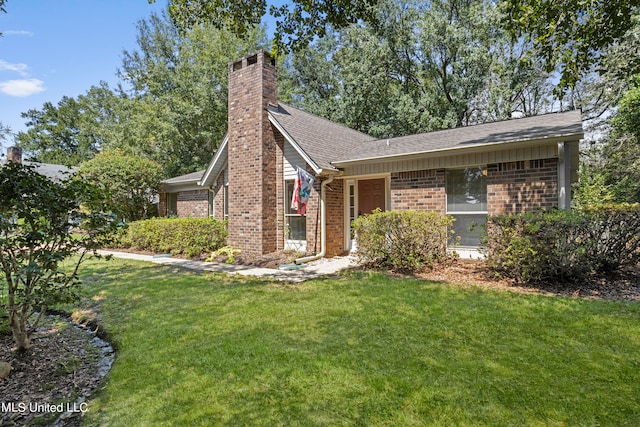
x=312, y=270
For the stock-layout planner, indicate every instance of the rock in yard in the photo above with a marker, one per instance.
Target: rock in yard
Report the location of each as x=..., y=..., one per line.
x=5, y=368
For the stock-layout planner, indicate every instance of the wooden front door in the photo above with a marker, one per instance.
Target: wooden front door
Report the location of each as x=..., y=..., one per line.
x=371, y=195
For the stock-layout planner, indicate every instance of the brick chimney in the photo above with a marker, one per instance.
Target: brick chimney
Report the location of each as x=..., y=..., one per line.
x=14, y=154
x=253, y=85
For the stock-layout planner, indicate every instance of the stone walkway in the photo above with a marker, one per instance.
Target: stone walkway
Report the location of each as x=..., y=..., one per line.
x=312, y=270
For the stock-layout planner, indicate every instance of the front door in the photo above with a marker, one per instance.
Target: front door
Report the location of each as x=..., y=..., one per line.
x=371, y=195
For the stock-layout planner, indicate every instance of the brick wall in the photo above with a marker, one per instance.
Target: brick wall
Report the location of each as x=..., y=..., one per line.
x=280, y=191
x=419, y=190
x=252, y=155
x=314, y=236
x=218, y=198
x=511, y=188
x=162, y=204
x=193, y=204
x=522, y=186
x=334, y=197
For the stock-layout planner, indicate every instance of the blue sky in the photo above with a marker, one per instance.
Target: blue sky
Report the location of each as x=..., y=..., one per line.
x=55, y=48
x=50, y=49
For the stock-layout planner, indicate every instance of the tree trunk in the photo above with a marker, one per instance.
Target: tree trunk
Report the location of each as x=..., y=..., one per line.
x=20, y=332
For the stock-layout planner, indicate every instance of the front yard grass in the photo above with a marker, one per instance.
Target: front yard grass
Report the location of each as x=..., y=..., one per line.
x=363, y=349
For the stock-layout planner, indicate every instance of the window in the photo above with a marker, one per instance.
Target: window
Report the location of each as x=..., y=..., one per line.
x=225, y=195
x=226, y=200
x=296, y=224
x=467, y=203
x=212, y=199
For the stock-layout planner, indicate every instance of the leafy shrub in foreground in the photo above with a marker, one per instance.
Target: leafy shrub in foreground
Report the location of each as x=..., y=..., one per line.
x=188, y=236
x=564, y=245
x=403, y=241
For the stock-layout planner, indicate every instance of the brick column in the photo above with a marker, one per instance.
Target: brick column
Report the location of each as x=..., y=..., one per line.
x=14, y=154
x=253, y=83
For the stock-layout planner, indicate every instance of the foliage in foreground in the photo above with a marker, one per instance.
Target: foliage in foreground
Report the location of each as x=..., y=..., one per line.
x=561, y=245
x=42, y=223
x=188, y=236
x=363, y=349
x=403, y=241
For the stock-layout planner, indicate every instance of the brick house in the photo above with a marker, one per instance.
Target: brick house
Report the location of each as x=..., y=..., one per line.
x=503, y=167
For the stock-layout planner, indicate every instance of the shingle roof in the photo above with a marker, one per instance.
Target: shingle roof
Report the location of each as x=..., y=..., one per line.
x=51, y=171
x=543, y=127
x=190, y=177
x=322, y=140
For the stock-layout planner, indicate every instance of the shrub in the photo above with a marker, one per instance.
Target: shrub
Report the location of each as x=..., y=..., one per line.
x=534, y=247
x=188, y=236
x=403, y=241
x=561, y=245
x=614, y=236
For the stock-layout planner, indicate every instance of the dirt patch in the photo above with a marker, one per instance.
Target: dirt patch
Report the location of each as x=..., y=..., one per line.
x=52, y=378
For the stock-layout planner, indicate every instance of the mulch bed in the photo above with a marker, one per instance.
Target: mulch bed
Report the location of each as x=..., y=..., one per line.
x=61, y=367
x=468, y=272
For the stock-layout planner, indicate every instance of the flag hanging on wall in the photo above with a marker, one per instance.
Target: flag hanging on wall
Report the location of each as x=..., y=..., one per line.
x=302, y=191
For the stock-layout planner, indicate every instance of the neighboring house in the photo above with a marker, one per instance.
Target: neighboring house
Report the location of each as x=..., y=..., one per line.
x=51, y=171
x=503, y=167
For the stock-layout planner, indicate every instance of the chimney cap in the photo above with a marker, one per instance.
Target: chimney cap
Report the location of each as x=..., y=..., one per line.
x=14, y=154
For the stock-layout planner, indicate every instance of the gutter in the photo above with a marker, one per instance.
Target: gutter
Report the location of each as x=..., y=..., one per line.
x=323, y=224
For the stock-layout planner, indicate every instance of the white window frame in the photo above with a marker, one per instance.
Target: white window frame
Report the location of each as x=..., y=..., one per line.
x=456, y=213
x=292, y=244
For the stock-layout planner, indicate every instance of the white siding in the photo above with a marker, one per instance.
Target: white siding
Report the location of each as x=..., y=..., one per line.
x=292, y=159
x=455, y=161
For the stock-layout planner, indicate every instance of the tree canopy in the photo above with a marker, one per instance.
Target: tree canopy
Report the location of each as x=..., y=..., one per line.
x=420, y=68
x=572, y=35
x=297, y=22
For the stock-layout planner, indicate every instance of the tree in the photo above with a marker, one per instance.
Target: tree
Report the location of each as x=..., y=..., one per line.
x=5, y=131
x=420, y=68
x=572, y=35
x=297, y=23
x=129, y=182
x=621, y=151
x=42, y=224
x=72, y=131
x=456, y=41
x=176, y=88
x=2, y=9
x=170, y=107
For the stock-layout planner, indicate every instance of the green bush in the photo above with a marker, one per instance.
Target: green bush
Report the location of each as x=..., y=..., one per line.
x=614, y=235
x=562, y=245
x=403, y=241
x=189, y=236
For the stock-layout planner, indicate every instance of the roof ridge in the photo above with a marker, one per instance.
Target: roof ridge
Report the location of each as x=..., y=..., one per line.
x=477, y=125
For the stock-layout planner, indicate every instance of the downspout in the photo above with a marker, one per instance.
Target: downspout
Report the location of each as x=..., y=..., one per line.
x=323, y=224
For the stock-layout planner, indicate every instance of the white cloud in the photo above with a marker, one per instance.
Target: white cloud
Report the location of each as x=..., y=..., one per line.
x=18, y=68
x=22, y=88
x=17, y=33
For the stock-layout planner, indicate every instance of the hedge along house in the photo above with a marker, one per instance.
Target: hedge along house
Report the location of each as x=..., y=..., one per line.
x=503, y=167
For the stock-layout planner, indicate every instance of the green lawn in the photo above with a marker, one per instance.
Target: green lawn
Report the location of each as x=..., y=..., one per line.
x=364, y=349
